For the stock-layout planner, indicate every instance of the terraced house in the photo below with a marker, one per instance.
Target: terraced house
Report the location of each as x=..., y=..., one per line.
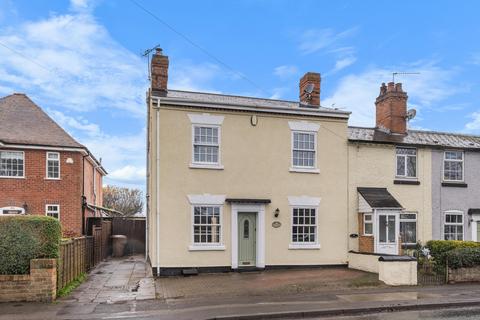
x=239, y=183
x=43, y=170
x=409, y=186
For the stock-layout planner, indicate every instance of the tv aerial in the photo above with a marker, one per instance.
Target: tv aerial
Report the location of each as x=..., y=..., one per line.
x=403, y=74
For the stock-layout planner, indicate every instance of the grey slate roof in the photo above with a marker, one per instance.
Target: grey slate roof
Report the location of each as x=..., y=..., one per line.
x=379, y=198
x=23, y=122
x=219, y=99
x=416, y=137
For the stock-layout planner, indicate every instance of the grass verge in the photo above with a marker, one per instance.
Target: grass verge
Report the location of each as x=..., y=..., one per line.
x=71, y=286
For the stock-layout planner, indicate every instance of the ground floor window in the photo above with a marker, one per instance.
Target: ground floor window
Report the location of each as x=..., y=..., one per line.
x=206, y=225
x=52, y=210
x=367, y=224
x=453, y=228
x=408, y=227
x=304, y=226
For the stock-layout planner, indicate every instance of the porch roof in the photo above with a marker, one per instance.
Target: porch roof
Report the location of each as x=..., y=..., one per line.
x=247, y=200
x=378, y=198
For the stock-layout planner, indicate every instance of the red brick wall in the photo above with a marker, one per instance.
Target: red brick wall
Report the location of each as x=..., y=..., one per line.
x=39, y=285
x=37, y=191
x=365, y=243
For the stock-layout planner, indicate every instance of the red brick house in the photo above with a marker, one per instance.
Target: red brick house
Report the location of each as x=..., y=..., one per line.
x=43, y=170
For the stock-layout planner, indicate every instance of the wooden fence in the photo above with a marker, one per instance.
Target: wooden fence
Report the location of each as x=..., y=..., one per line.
x=79, y=255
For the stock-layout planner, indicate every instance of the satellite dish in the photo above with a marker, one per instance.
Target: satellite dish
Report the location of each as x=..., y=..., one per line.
x=411, y=113
x=309, y=88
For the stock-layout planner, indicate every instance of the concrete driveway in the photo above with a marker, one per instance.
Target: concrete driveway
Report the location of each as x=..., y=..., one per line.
x=271, y=282
x=116, y=280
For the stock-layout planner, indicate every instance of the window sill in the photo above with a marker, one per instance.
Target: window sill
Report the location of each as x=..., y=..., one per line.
x=406, y=181
x=206, y=248
x=293, y=246
x=304, y=170
x=12, y=177
x=206, y=166
x=454, y=184
x=53, y=179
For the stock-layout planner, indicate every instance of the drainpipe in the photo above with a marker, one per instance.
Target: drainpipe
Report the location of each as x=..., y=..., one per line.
x=147, y=196
x=157, y=182
x=84, y=199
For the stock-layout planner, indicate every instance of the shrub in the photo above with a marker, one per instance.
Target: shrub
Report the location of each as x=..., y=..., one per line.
x=23, y=238
x=463, y=257
x=440, y=248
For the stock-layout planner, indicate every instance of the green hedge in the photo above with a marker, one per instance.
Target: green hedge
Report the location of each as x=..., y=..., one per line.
x=440, y=248
x=463, y=257
x=27, y=237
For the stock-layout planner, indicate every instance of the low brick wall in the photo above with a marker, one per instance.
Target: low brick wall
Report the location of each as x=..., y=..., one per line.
x=39, y=285
x=464, y=275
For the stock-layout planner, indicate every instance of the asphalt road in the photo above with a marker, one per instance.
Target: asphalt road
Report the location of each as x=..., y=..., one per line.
x=447, y=314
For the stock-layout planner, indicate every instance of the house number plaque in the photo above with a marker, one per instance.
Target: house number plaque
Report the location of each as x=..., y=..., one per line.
x=276, y=224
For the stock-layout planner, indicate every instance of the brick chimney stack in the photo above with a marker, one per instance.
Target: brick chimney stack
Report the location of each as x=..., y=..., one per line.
x=159, y=72
x=391, y=109
x=310, y=98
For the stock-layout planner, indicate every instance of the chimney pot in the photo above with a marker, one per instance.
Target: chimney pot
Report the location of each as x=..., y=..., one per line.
x=312, y=98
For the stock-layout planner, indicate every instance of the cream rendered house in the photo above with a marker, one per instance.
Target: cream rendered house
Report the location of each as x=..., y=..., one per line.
x=390, y=174
x=240, y=183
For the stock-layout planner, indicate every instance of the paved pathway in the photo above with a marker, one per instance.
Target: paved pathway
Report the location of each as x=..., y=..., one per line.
x=115, y=280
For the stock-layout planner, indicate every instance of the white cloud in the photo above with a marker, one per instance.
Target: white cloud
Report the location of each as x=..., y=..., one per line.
x=343, y=63
x=194, y=77
x=285, y=71
x=72, y=61
x=79, y=123
x=473, y=125
x=314, y=40
x=129, y=174
x=357, y=92
x=278, y=93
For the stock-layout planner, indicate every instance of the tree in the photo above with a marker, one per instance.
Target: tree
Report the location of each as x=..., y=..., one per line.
x=128, y=201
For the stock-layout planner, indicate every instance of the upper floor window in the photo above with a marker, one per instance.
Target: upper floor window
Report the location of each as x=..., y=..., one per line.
x=453, y=227
x=453, y=166
x=304, y=150
x=406, y=162
x=304, y=146
x=206, y=140
x=12, y=164
x=206, y=145
x=52, y=210
x=53, y=165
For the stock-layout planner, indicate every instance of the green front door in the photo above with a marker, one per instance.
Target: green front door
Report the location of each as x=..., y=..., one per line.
x=247, y=226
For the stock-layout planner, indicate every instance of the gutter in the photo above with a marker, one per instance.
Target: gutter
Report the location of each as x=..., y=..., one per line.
x=232, y=106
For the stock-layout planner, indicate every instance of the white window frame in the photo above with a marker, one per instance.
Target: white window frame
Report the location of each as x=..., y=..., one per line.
x=445, y=223
x=304, y=245
x=208, y=121
x=46, y=165
x=305, y=128
x=206, y=246
x=409, y=220
x=23, y=157
x=369, y=222
x=405, y=176
x=52, y=205
x=453, y=160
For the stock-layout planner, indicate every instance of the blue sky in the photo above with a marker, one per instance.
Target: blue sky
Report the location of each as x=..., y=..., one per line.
x=81, y=60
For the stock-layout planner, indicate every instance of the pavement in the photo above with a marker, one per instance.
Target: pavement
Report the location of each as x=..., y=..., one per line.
x=123, y=289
